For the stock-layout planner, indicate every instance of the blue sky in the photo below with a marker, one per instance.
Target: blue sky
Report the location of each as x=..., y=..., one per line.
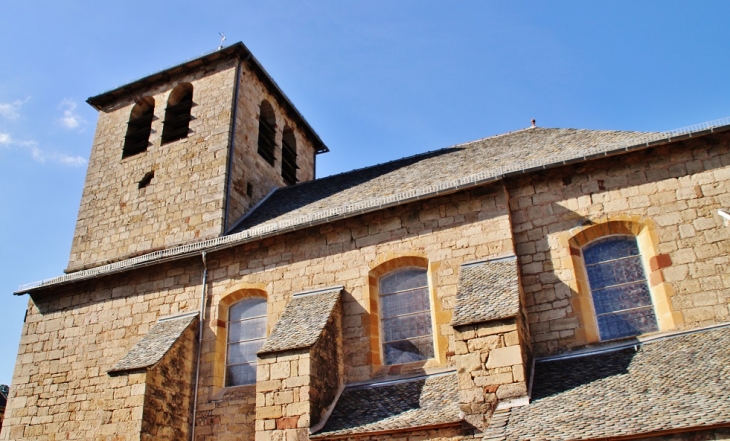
x=378, y=80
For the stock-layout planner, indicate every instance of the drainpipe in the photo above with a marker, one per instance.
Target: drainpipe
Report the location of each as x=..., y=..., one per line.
x=200, y=342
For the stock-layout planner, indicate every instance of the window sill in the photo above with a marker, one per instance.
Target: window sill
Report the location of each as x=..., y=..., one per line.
x=233, y=392
x=421, y=367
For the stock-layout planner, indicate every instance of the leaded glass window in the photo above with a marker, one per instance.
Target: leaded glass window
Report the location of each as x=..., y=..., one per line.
x=246, y=335
x=406, y=316
x=621, y=297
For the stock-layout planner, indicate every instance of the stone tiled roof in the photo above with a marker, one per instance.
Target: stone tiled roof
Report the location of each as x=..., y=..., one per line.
x=487, y=291
x=391, y=406
x=155, y=344
x=490, y=156
x=302, y=321
x=678, y=383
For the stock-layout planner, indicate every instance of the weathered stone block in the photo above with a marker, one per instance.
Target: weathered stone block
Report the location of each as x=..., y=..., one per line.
x=504, y=357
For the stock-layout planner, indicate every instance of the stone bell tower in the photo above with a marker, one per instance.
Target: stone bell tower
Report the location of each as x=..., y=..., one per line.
x=181, y=155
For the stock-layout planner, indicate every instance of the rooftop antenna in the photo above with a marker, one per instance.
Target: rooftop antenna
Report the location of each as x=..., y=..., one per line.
x=223, y=38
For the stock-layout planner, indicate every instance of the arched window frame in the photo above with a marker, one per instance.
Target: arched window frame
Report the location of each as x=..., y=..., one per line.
x=289, y=156
x=178, y=113
x=647, y=239
x=267, y=132
x=246, y=333
x=219, y=357
x=139, y=127
x=440, y=318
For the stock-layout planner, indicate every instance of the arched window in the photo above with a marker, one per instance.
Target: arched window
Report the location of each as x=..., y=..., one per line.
x=267, y=132
x=289, y=157
x=139, y=127
x=405, y=312
x=246, y=335
x=177, y=114
x=621, y=298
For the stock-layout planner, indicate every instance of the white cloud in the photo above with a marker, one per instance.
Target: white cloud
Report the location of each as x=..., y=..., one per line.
x=42, y=156
x=10, y=110
x=70, y=119
x=7, y=140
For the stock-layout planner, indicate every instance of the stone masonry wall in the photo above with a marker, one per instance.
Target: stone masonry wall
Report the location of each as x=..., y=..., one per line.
x=229, y=416
x=60, y=388
x=326, y=369
x=73, y=336
x=491, y=368
x=183, y=202
x=447, y=231
x=248, y=167
x=282, y=396
x=168, y=403
x=674, y=190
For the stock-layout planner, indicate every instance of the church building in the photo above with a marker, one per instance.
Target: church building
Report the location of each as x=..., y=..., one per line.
x=543, y=284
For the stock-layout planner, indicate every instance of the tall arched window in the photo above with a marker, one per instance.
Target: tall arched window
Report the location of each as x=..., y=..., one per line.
x=267, y=132
x=177, y=114
x=289, y=157
x=621, y=298
x=246, y=335
x=405, y=312
x=139, y=127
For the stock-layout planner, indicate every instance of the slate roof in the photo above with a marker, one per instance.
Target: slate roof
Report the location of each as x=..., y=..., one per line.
x=391, y=406
x=302, y=321
x=678, y=383
x=493, y=156
x=406, y=180
x=487, y=291
x=155, y=344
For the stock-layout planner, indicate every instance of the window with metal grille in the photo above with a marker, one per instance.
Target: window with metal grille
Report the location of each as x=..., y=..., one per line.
x=267, y=132
x=177, y=114
x=289, y=157
x=405, y=311
x=139, y=127
x=246, y=335
x=620, y=293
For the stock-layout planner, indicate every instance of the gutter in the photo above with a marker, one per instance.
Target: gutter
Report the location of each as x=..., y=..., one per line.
x=386, y=432
x=373, y=204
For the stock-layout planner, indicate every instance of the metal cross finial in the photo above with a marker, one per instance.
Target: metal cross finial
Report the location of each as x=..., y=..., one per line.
x=223, y=38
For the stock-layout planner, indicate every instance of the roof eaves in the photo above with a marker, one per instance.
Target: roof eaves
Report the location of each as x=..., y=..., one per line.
x=367, y=206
